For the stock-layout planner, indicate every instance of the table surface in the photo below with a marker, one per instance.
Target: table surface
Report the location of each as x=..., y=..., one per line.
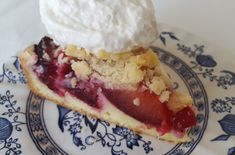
x=212, y=20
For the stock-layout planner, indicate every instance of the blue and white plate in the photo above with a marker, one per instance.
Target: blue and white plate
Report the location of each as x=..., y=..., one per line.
x=30, y=124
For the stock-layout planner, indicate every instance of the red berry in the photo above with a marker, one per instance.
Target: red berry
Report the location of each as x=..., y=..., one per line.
x=183, y=119
x=150, y=110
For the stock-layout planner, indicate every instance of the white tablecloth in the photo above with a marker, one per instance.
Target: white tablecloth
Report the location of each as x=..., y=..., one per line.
x=212, y=20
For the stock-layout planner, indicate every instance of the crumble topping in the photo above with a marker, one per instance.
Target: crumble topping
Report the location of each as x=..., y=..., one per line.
x=62, y=59
x=147, y=59
x=136, y=102
x=179, y=100
x=74, y=82
x=121, y=70
x=129, y=68
x=77, y=52
x=157, y=85
x=164, y=97
x=81, y=69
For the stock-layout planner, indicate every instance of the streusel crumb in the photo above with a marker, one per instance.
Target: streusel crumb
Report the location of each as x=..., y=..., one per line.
x=81, y=69
x=74, y=51
x=123, y=69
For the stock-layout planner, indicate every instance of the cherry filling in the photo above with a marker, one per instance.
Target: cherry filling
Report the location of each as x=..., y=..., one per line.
x=53, y=74
x=144, y=106
x=150, y=110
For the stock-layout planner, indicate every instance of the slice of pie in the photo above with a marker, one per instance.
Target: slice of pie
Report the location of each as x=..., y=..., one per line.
x=130, y=89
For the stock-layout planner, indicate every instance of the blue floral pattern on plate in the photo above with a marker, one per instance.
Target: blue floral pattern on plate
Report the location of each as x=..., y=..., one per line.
x=113, y=139
x=227, y=123
x=203, y=65
x=116, y=139
x=13, y=73
x=10, y=114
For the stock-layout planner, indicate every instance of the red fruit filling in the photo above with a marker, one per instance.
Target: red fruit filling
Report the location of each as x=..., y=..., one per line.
x=149, y=109
x=183, y=119
x=58, y=76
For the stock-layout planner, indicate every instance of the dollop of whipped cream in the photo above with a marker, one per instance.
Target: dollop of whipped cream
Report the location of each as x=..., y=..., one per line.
x=111, y=25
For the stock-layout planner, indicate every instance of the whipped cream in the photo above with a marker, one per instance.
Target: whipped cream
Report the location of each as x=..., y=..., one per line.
x=111, y=25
